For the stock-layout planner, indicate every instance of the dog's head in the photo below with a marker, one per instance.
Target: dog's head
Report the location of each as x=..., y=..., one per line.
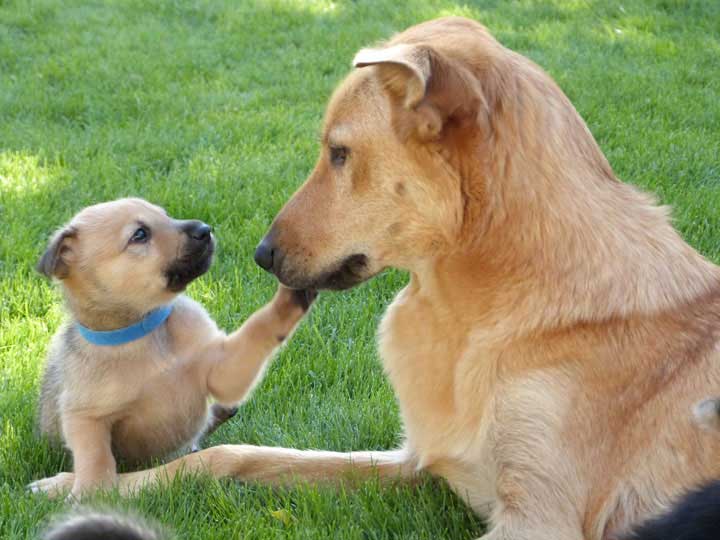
x=386, y=190
x=127, y=254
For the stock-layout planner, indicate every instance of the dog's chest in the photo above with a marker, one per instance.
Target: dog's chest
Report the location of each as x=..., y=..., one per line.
x=121, y=382
x=440, y=389
x=159, y=407
x=445, y=397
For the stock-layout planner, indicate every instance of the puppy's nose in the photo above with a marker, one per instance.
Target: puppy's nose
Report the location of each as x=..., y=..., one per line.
x=197, y=230
x=264, y=254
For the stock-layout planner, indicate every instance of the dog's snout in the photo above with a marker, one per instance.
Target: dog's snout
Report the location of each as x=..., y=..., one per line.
x=265, y=254
x=197, y=230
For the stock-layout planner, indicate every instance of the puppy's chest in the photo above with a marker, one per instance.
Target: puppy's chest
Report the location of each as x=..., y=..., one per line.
x=115, y=383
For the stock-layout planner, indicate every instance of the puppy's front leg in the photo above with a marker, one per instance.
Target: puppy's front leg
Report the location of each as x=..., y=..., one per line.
x=89, y=440
x=238, y=359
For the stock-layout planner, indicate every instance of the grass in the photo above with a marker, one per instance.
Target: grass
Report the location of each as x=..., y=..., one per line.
x=211, y=109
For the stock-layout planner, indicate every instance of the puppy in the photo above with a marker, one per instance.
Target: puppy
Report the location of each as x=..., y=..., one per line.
x=129, y=376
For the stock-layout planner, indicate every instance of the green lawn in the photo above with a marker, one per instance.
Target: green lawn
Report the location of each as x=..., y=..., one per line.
x=212, y=109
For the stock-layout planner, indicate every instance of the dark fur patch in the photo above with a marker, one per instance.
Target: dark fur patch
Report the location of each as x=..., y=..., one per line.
x=189, y=266
x=349, y=273
x=695, y=517
x=221, y=413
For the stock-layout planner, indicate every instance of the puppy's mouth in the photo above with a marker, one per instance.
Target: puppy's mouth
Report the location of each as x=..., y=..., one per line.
x=348, y=273
x=193, y=263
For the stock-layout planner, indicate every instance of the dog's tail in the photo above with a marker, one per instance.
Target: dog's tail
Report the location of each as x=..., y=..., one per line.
x=695, y=517
x=101, y=525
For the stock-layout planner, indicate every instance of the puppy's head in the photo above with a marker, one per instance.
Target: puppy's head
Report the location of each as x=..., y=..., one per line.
x=127, y=255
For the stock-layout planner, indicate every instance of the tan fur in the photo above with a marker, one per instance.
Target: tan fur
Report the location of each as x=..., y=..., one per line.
x=556, y=330
x=147, y=398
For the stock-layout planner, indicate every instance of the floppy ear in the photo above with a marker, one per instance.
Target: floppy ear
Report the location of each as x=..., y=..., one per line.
x=55, y=262
x=431, y=88
x=404, y=69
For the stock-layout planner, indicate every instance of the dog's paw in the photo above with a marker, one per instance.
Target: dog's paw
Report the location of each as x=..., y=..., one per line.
x=54, y=486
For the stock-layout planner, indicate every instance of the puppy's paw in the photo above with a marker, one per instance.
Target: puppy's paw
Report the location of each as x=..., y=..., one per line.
x=291, y=303
x=304, y=297
x=53, y=486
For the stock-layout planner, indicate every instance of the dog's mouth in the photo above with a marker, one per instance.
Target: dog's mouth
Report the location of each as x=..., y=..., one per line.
x=190, y=265
x=348, y=273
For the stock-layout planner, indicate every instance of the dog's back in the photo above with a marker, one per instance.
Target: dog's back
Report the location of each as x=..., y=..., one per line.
x=49, y=409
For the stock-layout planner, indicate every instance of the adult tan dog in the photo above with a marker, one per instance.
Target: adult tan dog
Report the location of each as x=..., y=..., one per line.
x=556, y=330
x=130, y=375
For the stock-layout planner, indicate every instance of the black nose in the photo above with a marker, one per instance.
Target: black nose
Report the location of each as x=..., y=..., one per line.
x=264, y=254
x=197, y=230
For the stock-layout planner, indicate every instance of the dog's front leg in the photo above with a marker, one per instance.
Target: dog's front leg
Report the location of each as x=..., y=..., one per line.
x=93, y=461
x=236, y=361
x=89, y=440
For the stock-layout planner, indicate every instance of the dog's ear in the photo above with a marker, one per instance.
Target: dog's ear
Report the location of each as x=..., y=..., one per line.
x=57, y=258
x=404, y=70
x=431, y=89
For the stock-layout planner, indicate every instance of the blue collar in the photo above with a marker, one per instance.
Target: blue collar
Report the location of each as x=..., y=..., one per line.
x=130, y=333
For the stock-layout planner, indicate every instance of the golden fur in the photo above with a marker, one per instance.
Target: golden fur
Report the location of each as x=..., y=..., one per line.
x=146, y=398
x=556, y=330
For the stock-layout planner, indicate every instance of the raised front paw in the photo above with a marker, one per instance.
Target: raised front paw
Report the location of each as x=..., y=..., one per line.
x=293, y=303
x=54, y=486
x=304, y=297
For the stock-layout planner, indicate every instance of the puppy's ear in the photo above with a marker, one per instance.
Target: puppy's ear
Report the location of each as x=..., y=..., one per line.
x=430, y=88
x=56, y=260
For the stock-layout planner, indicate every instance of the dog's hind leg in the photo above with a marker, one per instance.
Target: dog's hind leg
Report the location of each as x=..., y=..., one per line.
x=278, y=466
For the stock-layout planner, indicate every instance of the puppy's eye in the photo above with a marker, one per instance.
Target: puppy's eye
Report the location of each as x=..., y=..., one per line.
x=140, y=236
x=339, y=155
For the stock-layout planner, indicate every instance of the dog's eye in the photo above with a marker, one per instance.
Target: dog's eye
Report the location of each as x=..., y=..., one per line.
x=338, y=155
x=140, y=236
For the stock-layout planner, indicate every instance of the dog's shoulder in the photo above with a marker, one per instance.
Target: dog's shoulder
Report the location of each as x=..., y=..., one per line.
x=65, y=349
x=190, y=314
x=190, y=327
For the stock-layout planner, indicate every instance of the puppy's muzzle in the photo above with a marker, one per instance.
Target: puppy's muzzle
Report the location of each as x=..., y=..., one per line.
x=196, y=257
x=198, y=231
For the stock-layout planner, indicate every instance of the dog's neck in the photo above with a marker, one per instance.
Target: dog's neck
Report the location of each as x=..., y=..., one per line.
x=102, y=317
x=557, y=239
x=567, y=278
